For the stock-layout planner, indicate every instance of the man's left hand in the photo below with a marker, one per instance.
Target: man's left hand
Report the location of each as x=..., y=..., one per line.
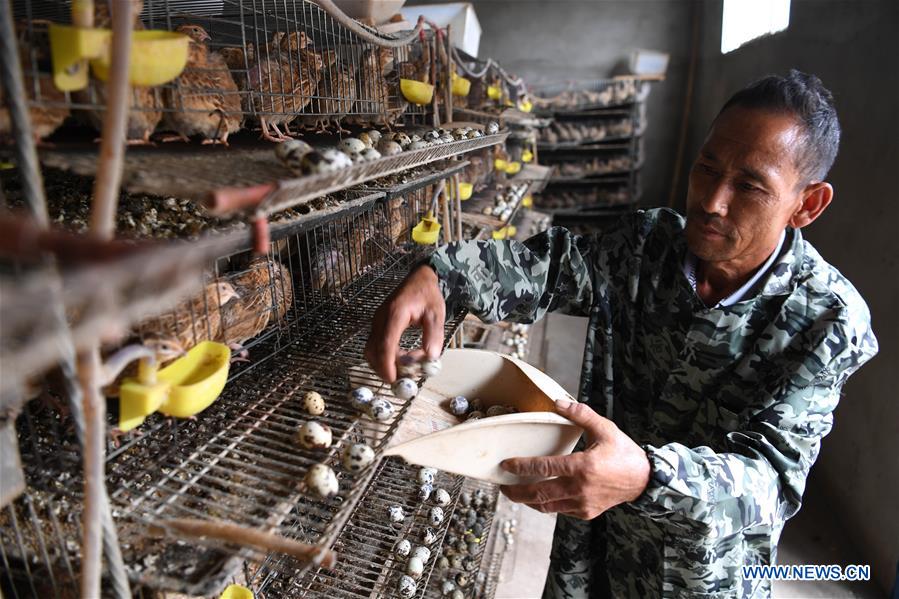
x=612, y=470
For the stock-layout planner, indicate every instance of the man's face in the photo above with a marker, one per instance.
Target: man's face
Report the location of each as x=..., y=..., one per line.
x=744, y=186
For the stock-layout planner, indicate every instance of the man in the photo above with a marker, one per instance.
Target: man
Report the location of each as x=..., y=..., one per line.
x=716, y=351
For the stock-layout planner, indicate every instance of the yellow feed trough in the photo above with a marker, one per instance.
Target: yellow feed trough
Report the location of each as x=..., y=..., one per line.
x=182, y=389
x=236, y=591
x=513, y=168
x=427, y=230
x=416, y=91
x=527, y=156
x=461, y=85
x=157, y=56
x=527, y=201
x=465, y=191
x=500, y=165
x=494, y=92
x=525, y=106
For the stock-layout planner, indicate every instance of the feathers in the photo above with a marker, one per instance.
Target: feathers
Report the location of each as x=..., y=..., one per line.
x=206, y=101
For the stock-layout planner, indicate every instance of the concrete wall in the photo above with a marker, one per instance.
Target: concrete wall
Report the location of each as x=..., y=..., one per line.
x=559, y=40
x=852, y=45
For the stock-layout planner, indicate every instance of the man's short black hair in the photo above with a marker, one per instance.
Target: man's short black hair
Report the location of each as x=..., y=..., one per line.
x=805, y=97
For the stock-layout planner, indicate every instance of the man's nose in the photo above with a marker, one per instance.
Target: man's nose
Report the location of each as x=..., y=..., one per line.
x=717, y=199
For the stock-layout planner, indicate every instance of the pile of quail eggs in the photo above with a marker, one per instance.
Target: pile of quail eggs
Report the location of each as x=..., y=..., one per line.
x=516, y=338
x=415, y=558
x=302, y=158
x=459, y=558
x=316, y=436
x=474, y=409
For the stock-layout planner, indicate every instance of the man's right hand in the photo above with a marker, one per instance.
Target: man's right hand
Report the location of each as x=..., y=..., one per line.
x=416, y=302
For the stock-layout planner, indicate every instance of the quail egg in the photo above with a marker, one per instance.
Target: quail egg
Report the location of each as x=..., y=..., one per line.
x=476, y=405
x=422, y=553
x=361, y=397
x=417, y=145
x=291, y=153
x=459, y=133
x=469, y=564
x=351, y=146
x=473, y=548
x=402, y=139
x=431, y=136
x=492, y=128
x=475, y=415
x=406, y=366
x=473, y=134
x=406, y=587
x=457, y=594
x=448, y=138
x=313, y=403
x=426, y=475
x=326, y=161
x=443, y=562
x=463, y=579
x=396, y=513
x=357, y=456
x=431, y=367
x=415, y=567
x=459, y=405
x=441, y=497
x=435, y=516
x=389, y=148
x=368, y=154
x=456, y=562
x=447, y=587
x=314, y=435
x=322, y=481
x=405, y=388
x=374, y=135
x=380, y=409
x=424, y=492
x=465, y=499
x=497, y=411
x=430, y=536
x=402, y=548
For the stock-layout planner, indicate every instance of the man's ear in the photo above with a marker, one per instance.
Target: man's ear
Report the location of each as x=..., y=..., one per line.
x=816, y=198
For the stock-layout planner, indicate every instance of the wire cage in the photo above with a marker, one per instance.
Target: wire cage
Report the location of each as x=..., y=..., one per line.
x=301, y=313
x=579, y=96
x=265, y=63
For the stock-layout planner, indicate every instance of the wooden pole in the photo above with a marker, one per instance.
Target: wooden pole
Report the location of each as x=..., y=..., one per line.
x=106, y=188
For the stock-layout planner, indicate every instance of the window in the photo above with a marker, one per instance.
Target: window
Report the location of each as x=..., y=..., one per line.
x=746, y=20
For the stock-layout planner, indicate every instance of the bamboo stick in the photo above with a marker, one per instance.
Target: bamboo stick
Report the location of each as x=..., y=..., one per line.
x=106, y=188
x=250, y=537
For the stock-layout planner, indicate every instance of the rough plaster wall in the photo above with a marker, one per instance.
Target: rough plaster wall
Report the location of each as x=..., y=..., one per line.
x=559, y=40
x=853, y=46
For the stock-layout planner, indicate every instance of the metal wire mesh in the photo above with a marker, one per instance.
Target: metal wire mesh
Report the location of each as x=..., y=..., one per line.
x=302, y=314
x=269, y=62
x=368, y=567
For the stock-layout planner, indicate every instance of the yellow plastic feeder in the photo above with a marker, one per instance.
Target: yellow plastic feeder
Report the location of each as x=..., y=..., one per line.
x=527, y=156
x=500, y=165
x=513, y=168
x=427, y=230
x=182, y=389
x=461, y=86
x=236, y=591
x=417, y=92
x=465, y=191
x=527, y=201
x=157, y=56
x=494, y=92
x=525, y=105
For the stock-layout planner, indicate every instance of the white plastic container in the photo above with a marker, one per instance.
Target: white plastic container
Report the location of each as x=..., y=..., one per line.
x=430, y=436
x=376, y=11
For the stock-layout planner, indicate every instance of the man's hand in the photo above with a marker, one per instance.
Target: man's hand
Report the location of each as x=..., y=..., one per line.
x=612, y=470
x=416, y=302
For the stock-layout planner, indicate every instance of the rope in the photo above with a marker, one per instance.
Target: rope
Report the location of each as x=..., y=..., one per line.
x=353, y=25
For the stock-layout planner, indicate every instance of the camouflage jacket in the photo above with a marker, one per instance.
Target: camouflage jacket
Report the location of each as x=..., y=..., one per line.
x=730, y=403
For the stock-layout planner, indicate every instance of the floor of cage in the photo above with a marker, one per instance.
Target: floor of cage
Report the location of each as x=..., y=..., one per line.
x=235, y=462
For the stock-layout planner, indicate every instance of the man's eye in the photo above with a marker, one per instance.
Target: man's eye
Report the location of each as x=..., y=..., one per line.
x=707, y=169
x=749, y=187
